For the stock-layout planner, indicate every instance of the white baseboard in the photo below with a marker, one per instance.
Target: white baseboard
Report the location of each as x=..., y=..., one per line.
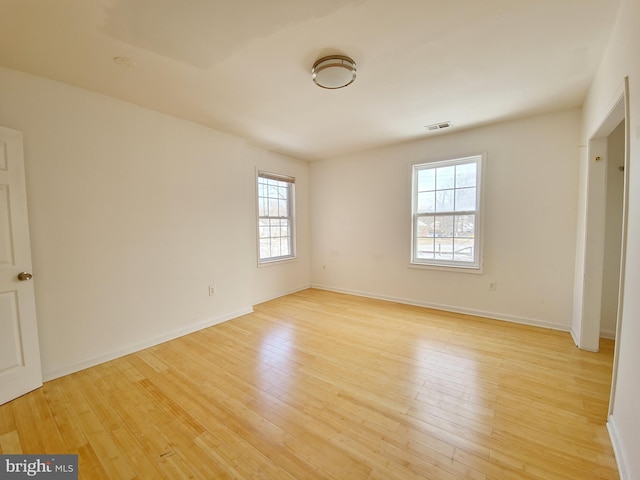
x=283, y=294
x=91, y=362
x=611, y=336
x=608, y=335
x=449, y=308
x=617, y=449
x=574, y=337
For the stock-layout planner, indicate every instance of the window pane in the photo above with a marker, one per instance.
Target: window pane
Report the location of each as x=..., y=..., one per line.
x=465, y=199
x=466, y=175
x=275, y=248
x=284, y=228
x=426, y=180
x=444, y=200
x=263, y=228
x=444, y=226
x=426, y=226
x=265, y=247
x=463, y=251
x=465, y=226
x=444, y=249
x=284, y=246
x=283, y=209
x=273, y=207
x=274, y=231
x=426, y=202
x=424, y=248
x=444, y=177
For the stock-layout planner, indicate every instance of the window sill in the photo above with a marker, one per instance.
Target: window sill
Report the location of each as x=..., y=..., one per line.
x=279, y=261
x=447, y=268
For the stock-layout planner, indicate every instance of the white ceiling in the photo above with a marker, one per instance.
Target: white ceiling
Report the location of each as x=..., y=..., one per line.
x=243, y=66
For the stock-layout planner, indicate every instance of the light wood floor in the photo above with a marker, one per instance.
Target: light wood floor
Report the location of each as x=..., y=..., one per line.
x=324, y=385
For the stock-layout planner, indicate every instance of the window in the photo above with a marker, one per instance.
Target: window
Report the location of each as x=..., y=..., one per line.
x=446, y=213
x=275, y=217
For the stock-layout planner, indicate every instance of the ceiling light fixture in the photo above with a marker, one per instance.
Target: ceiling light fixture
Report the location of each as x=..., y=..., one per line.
x=334, y=71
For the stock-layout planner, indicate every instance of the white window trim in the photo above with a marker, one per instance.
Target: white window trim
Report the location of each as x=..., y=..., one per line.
x=446, y=265
x=292, y=209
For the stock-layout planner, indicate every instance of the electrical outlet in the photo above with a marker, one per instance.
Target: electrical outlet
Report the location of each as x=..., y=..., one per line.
x=212, y=290
x=493, y=286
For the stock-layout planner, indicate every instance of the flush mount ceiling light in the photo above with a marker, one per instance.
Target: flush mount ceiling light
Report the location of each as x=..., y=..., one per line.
x=334, y=71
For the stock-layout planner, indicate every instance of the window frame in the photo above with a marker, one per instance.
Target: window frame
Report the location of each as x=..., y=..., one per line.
x=261, y=174
x=474, y=266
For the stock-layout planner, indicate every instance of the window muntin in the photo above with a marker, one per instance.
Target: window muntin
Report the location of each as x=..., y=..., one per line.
x=446, y=213
x=275, y=217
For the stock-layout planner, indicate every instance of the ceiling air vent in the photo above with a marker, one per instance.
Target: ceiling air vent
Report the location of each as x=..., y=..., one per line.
x=438, y=126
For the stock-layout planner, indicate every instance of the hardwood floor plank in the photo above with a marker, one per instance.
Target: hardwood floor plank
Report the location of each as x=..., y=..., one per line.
x=320, y=385
x=10, y=443
x=64, y=417
x=31, y=440
x=7, y=419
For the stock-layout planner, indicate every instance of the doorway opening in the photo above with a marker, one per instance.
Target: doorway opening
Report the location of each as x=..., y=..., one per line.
x=605, y=247
x=605, y=239
x=614, y=201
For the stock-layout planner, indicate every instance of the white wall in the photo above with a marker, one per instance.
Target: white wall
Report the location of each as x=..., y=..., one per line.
x=620, y=60
x=360, y=222
x=133, y=214
x=613, y=232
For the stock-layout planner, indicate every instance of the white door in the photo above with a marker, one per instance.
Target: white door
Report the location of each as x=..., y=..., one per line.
x=20, y=369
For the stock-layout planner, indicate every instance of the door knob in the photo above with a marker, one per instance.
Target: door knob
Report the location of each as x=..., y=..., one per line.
x=24, y=276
